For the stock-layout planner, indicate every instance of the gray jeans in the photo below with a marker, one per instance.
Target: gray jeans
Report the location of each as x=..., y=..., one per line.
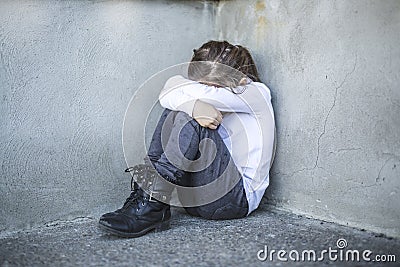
x=176, y=130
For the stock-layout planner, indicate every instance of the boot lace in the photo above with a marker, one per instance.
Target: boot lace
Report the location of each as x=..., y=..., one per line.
x=137, y=199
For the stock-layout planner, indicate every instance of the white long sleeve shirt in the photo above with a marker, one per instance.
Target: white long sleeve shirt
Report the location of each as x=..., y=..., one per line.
x=247, y=128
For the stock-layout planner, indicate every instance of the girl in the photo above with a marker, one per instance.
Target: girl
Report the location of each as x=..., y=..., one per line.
x=214, y=143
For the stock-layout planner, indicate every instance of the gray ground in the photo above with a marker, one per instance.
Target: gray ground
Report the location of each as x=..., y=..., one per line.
x=191, y=242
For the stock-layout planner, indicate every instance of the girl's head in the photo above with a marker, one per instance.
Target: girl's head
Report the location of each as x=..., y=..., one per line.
x=222, y=64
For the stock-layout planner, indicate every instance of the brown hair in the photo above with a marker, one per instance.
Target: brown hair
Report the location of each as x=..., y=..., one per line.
x=211, y=61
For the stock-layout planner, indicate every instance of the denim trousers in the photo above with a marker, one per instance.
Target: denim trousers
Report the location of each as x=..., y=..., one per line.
x=178, y=142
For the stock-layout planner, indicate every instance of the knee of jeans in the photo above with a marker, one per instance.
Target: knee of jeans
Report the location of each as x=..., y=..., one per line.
x=182, y=118
x=180, y=114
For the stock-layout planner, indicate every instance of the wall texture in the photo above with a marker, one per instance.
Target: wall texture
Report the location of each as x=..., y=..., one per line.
x=334, y=71
x=68, y=70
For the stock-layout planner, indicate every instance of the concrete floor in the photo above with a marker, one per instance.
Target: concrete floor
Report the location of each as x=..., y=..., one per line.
x=191, y=242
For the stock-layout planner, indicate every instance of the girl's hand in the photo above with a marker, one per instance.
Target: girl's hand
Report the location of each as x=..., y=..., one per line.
x=206, y=115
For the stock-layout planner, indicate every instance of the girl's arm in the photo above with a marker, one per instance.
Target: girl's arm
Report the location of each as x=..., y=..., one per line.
x=181, y=94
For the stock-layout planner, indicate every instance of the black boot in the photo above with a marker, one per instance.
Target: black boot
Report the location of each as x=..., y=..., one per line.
x=134, y=194
x=141, y=212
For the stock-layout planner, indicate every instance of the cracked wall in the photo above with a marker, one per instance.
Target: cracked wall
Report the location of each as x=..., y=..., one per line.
x=333, y=68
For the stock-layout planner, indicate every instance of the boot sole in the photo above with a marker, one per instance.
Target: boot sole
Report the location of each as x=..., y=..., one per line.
x=162, y=226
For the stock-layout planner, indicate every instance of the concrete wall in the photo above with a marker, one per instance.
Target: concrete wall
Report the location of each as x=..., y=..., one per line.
x=334, y=71
x=68, y=70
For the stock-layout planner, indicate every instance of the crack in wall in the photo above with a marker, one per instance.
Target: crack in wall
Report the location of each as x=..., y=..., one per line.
x=330, y=110
x=291, y=174
x=377, y=179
